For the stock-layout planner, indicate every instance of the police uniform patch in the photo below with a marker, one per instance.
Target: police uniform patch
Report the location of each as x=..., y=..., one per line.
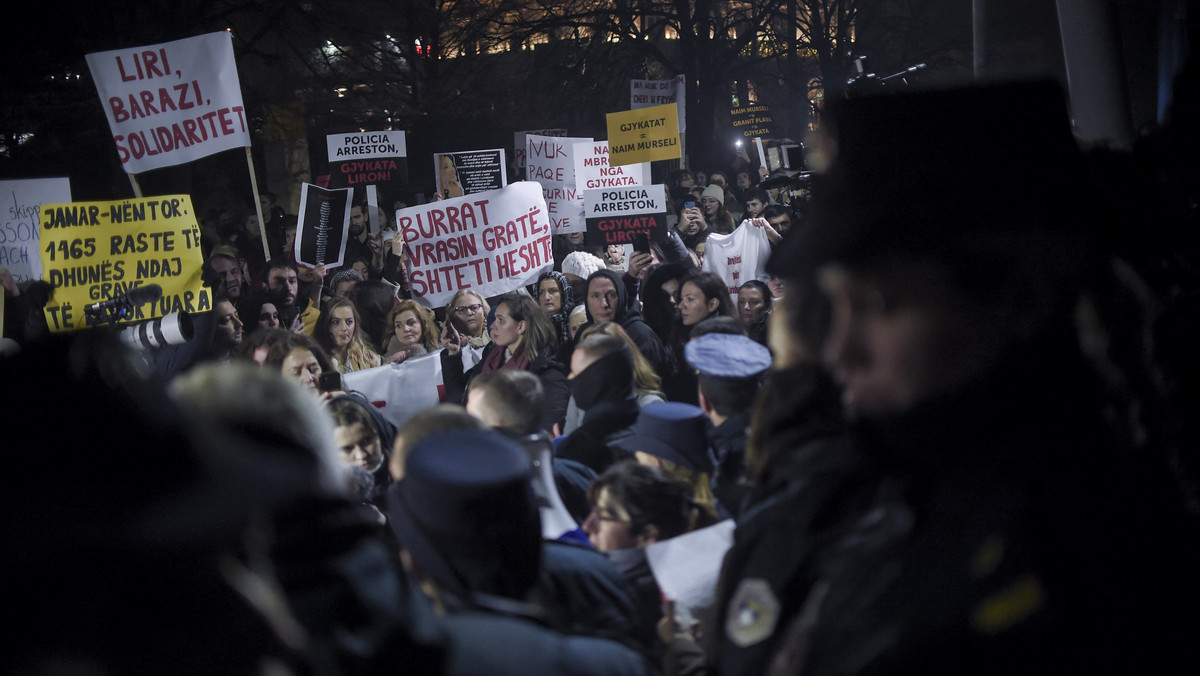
x=753, y=612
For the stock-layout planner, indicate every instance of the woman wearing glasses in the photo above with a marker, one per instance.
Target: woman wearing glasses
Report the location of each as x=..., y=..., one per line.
x=467, y=312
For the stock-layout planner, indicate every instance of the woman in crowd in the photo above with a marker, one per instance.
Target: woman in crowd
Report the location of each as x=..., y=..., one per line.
x=647, y=384
x=467, y=313
x=754, y=309
x=712, y=201
x=701, y=295
x=374, y=299
x=259, y=312
x=342, y=283
x=339, y=332
x=414, y=332
x=730, y=202
x=522, y=338
x=633, y=506
x=557, y=299
x=660, y=297
x=299, y=358
x=364, y=439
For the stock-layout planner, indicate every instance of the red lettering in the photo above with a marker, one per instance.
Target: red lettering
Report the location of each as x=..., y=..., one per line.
x=124, y=76
x=148, y=103
x=118, y=109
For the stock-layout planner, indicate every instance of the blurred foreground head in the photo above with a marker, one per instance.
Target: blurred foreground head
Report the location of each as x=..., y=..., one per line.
x=467, y=517
x=952, y=230
x=122, y=527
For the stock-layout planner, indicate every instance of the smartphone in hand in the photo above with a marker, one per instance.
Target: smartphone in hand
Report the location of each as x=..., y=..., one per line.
x=329, y=381
x=641, y=242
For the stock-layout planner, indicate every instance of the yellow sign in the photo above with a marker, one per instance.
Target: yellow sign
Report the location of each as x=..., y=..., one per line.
x=644, y=135
x=93, y=252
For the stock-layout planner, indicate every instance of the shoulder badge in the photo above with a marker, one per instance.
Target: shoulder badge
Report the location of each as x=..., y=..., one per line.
x=753, y=612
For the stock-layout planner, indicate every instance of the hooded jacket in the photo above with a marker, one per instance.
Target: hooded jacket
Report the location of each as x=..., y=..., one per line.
x=630, y=319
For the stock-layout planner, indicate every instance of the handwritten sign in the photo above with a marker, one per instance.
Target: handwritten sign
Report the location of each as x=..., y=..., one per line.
x=19, y=241
x=646, y=93
x=94, y=251
x=171, y=103
x=753, y=121
x=550, y=161
x=493, y=242
x=643, y=135
x=614, y=214
x=593, y=171
x=324, y=226
x=519, y=142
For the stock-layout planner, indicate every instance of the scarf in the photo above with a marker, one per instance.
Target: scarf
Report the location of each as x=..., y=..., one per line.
x=562, y=318
x=495, y=360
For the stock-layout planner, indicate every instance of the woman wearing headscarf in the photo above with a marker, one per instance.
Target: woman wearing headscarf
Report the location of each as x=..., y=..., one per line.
x=554, y=295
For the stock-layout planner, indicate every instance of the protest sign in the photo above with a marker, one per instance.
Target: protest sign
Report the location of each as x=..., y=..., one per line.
x=644, y=135
x=646, y=93
x=614, y=214
x=19, y=241
x=171, y=103
x=592, y=170
x=400, y=391
x=324, y=226
x=753, y=121
x=550, y=161
x=95, y=251
x=739, y=256
x=493, y=242
x=469, y=172
x=519, y=146
x=368, y=158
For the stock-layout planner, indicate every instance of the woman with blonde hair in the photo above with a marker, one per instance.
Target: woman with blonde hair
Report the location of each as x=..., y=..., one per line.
x=467, y=311
x=413, y=332
x=338, y=330
x=646, y=383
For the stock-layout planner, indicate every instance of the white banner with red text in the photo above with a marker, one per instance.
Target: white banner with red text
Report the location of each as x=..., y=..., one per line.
x=171, y=103
x=494, y=242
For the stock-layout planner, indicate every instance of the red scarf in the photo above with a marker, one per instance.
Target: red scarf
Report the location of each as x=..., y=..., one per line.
x=495, y=360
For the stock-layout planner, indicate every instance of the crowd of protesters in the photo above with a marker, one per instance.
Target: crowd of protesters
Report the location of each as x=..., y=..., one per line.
x=949, y=424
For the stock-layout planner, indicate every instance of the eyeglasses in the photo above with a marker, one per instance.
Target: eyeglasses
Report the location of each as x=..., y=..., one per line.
x=465, y=309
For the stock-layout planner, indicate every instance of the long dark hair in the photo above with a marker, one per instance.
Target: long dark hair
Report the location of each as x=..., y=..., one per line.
x=712, y=286
x=539, y=332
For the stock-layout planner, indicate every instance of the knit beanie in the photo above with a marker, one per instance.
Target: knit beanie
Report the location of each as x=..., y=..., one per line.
x=581, y=264
x=715, y=192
